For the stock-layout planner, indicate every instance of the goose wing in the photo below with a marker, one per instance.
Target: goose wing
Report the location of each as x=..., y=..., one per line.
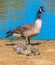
x=26, y=27
x=20, y=30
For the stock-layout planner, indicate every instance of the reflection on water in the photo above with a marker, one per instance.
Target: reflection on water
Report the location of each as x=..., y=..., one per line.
x=3, y=9
x=9, y=11
x=10, y=6
x=13, y=6
x=49, y=4
x=3, y=6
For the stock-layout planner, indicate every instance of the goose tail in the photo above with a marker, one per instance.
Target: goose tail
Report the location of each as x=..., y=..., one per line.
x=9, y=33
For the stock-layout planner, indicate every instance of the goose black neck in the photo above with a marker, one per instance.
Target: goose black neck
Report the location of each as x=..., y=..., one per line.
x=38, y=15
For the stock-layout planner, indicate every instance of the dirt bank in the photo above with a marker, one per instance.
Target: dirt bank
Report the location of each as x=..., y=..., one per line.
x=9, y=57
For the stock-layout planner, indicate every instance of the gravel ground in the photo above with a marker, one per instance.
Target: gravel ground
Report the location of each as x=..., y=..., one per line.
x=8, y=56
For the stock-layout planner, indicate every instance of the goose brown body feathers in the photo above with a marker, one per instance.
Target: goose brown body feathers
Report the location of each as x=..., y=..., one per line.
x=23, y=31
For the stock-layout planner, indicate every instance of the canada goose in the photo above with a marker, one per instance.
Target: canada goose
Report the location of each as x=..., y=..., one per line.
x=29, y=30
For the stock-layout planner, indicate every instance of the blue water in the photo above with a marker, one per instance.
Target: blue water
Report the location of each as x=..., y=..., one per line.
x=26, y=14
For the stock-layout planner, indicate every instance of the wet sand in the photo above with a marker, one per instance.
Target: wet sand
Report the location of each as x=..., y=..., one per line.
x=9, y=57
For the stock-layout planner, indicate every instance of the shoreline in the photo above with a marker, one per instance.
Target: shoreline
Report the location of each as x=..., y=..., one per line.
x=9, y=57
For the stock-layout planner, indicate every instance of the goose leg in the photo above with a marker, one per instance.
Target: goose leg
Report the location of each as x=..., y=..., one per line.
x=28, y=41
